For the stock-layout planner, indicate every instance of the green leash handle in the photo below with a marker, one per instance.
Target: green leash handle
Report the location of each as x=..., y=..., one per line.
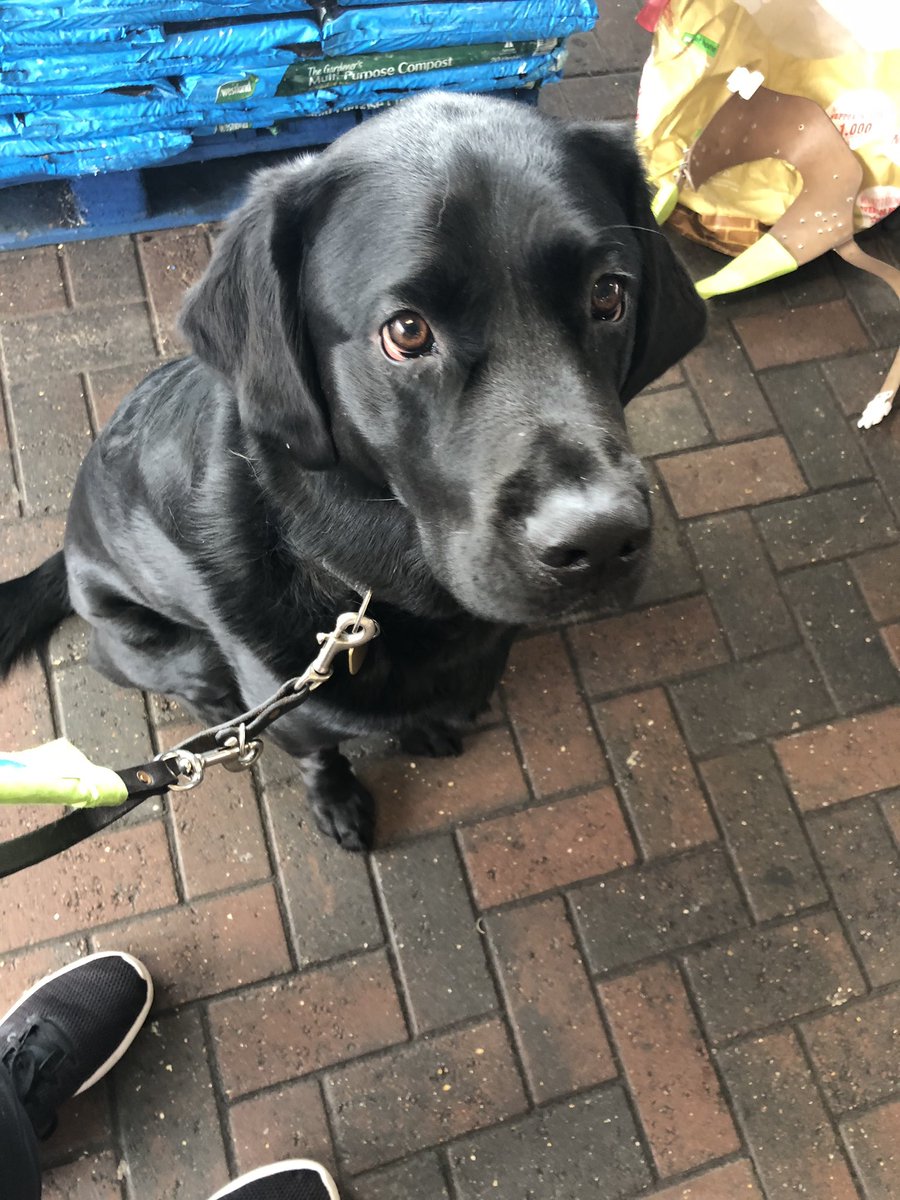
x=58, y=773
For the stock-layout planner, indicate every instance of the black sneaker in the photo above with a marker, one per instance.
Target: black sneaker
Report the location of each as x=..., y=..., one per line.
x=297, y=1179
x=67, y=1031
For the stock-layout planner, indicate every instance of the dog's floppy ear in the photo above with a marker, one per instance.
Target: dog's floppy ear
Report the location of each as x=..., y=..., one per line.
x=245, y=316
x=671, y=317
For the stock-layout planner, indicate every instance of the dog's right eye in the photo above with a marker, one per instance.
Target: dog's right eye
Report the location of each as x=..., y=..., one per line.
x=406, y=335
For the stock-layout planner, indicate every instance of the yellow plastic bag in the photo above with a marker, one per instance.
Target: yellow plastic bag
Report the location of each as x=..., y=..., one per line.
x=843, y=54
x=771, y=129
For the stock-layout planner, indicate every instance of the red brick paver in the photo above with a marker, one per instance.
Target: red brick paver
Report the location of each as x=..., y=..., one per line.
x=641, y=941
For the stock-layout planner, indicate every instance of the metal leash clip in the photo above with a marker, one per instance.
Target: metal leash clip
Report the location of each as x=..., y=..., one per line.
x=351, y=631
x=235, y=754
x=234, y=750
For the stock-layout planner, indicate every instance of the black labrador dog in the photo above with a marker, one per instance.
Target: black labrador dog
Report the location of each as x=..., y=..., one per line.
x=411, y=356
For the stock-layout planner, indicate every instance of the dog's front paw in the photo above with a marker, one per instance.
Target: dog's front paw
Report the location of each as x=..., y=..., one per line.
x=347, y=816
x=432, y=741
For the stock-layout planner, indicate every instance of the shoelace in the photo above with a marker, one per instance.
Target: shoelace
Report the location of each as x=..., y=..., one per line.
x=33, y=1059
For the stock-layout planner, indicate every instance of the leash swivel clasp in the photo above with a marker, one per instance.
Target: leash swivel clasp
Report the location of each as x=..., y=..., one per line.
x=235, y=754
x=351, y=631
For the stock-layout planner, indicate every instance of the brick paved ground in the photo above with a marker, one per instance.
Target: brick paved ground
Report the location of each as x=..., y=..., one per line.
x=644, y=938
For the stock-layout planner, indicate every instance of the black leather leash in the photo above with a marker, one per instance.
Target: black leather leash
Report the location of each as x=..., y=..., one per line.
x=234, y=744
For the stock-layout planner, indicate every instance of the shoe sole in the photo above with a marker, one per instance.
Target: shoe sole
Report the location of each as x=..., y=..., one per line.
x=132, y=1032
x=291, y=1164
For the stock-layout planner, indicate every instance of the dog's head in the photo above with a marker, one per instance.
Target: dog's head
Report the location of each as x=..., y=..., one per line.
x=455, y=301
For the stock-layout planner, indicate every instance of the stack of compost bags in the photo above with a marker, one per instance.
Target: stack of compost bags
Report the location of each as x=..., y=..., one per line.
x=110, y=85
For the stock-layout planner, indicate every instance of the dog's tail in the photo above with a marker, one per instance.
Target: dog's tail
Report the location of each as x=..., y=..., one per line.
x=31, y=607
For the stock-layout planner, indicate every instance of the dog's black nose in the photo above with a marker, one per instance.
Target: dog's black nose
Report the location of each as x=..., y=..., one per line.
x=575, y=530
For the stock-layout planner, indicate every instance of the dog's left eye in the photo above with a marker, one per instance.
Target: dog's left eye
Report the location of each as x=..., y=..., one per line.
x=406, y=335
x=608, y=298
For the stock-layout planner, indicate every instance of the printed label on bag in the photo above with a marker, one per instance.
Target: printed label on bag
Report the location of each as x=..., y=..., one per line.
x=876, y=203
x=701, y=40
x=864, y=115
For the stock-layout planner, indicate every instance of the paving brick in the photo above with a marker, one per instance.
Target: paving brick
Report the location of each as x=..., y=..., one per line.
x=814, y=331
x=54, y=436
x=813, y=283
x=275, y=1033
x=588, y=1147
x=882, y=448
x=555, y=1022
x=603, y=98
x=871, y=297
x=172, y=261
x=736, y=1181
x=826, y=525
x=207, y=947
x=107, y=387
x=546, y=847
x=616, y=43
x=43, y=347
x=91, y=1178
x=662, y=907
x=741, y=702
x=856, y=378
x=104, y=271
x=842, y=760
x=732, y=399
x=863, y=867
x=31, y=283
x=85, y=1126
x=646, y=647
x=671, y=572
x=787, y=1129
x=420, y=1176
x=327, y=893
x=873, y=1139
x=654, y=774
x=763, y=833
x=19, y=971
x=169, y=1121
x=877, y=574
x=890, y=636
x=741, y=584
x=662, y=422
x=770, y=975
x=119, y=874
x=552, y=100
x=552, y=722
x=108, y=723
x=723, y=477
x=69, y=642
x=25, y=544
x=430, y=794
x=10, y=494
x=890, y=806
x=842, y=636
x=856, y=1052
x=218, y=834
x=439, y=950
x=827, y=450
x=423, y=1094
x=285, y=1122
x=668, y=1070
x=25, y=708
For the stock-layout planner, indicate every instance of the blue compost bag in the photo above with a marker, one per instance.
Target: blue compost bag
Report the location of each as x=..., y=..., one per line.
x=37, y=158
x=96, y=14
x=439, y=23
x=479, y=77
x=24, y=42
x=260, y=42
x=161, y=106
